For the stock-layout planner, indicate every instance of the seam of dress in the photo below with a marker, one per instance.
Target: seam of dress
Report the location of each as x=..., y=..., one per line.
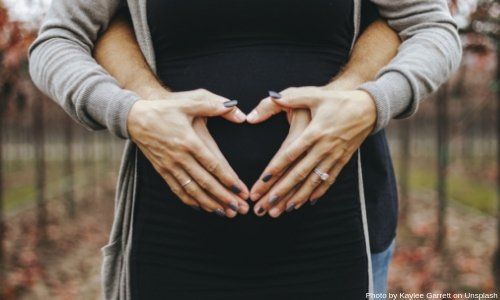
x=365, y=224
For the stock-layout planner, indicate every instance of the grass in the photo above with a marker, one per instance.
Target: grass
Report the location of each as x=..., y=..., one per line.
x=467, y=190
x=464, y=187
x=20, y=182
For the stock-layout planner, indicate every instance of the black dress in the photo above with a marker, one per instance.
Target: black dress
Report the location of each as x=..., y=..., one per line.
x=240, y=49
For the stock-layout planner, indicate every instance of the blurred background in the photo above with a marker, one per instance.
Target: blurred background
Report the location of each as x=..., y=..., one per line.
x=57, y=179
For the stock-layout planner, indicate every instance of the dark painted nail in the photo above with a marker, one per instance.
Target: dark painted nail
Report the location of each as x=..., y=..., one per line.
x=197, y=208
x=235, y=189
x=273, y=199
x=290, y=206
x=314, y=201
x=274, y=95
x=230, y=103
x=260, y=211
x=267, y=177
x=234, y=207
x=220, y=212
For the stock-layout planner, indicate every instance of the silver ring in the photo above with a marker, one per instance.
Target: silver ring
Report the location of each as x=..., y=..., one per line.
x=187, y=182
x=322, y=175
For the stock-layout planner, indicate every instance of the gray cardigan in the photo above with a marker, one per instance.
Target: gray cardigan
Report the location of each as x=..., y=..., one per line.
x=62, y=66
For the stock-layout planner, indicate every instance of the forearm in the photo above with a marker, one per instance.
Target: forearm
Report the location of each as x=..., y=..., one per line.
x=118, y=52
x=372, y=51
x=61, y=65
x=429, y=53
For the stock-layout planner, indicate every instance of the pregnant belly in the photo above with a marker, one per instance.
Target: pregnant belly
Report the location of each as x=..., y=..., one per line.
x=247, y=74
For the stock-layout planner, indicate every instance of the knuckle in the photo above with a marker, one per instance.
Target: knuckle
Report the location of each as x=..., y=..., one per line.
x=289, y=155
x=191, y=189
x=300, y=175
x=176, y=190
x=315, y=180
x=213, y=166
x=177, y=174
x=186, y=201
x=204, y=184
x=290, y=90
x=200, y=92
x=316, y=133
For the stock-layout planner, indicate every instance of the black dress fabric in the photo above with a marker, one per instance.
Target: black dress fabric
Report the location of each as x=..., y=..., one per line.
x=240, y=49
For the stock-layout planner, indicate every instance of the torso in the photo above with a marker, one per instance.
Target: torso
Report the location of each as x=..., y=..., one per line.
x=240, y=49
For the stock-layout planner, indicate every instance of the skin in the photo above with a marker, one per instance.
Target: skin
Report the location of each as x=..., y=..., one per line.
x=318, y=131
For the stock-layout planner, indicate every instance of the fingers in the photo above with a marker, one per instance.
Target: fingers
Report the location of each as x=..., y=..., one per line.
x=304, y=97
x=287, y=157
x=294, y=176
x=313, y=181
x=300, y=121
x=214, y=166
x=281, y=207
x=209, y=184
x=263, y=111
x=191, y=188
x=177, y=189
x=206, y=104
x=201, y=129
x=332, y=177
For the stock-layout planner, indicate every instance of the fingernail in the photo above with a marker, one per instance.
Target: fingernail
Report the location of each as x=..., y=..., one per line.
x=234, y=206
x=255, y=196
x=243, y=209
x=220, y=212
x=275, y=212
x=274, y=95
x=267, y=177
x=290, y=206
x=260, y=211
x=230, y=103
x=240, y=115
x=252, y=116
x=235, y=189
x=313, y=201
x=273, y=199
x=197, y=208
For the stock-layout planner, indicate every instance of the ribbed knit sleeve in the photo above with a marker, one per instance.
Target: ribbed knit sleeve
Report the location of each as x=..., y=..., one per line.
x=61, y=65
x=429, y=53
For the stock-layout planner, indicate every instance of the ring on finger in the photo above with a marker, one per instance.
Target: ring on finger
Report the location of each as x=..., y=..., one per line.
x=322, y=175
x=187, y=182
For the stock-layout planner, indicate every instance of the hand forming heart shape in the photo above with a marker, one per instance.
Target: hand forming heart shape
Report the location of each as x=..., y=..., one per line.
x=325, y=126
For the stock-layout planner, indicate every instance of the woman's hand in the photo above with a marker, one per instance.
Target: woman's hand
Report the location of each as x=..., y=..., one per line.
x=341, y=121
x=168, y=133
x=299, y=119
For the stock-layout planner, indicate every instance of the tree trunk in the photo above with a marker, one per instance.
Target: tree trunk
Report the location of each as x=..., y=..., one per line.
x=404, y=171
x=442, y=148
x=40, y=168
x=2, y=213
x=68, y=169
x=496, y=264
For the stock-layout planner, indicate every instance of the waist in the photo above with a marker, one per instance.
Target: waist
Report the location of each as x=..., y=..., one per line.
x=247, y=72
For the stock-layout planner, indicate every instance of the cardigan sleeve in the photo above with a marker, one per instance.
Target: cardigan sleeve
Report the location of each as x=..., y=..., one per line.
x=429, y=53
x=62, y=67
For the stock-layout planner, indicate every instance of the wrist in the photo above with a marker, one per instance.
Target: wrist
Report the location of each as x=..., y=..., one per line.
x=346, y=81
x=136, y=118
x=369, y=106
x=149, y=91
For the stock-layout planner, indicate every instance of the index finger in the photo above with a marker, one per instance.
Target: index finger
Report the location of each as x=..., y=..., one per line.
x=284, y=159
x=214, y=165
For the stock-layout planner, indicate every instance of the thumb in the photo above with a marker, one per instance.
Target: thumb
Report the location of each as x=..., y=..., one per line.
x=295, y=98
x=263, y=111
x=211, y=105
